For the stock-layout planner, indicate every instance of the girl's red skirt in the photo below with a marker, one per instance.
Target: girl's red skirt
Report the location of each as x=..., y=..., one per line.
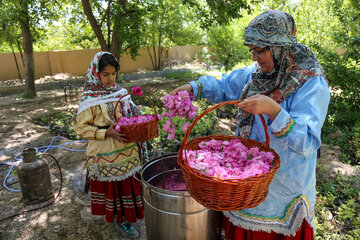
x=230, y=231
x=122, y=199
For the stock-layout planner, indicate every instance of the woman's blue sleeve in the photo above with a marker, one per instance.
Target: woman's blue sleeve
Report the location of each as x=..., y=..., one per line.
x=225, y=89
x=298, y=125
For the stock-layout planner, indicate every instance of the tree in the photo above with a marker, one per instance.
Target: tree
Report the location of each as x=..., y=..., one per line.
x=117, y=27
x=11, y=36
x=168, y=23
x=227, y=45
x=221, y=12
x=119, y=24
x=72, y=31
x=26, y=15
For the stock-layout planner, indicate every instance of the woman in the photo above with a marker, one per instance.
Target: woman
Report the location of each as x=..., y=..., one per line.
x=287, y=85
x=112, y=162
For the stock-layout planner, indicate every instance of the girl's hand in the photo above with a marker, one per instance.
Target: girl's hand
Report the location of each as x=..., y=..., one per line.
x=110, y=132
x=186, y=87
x=260, y=104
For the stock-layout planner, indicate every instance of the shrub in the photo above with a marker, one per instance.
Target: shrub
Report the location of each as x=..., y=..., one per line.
x=62, y=123
x=337, y=206
x=343, y=74
x=204, y=127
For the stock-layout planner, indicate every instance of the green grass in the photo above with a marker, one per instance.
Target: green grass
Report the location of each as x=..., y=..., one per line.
x=182, y=75
x=337, y=207
x=27, y=96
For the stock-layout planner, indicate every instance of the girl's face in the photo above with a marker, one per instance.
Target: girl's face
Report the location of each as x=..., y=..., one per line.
x=263, y=57
x=108, y=76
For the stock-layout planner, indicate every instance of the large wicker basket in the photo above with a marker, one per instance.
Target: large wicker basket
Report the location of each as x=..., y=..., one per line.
x=230, y=194
x=140, y=132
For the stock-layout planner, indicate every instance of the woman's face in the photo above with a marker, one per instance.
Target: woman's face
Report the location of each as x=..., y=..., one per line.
x=108, y=76
x=263, y=57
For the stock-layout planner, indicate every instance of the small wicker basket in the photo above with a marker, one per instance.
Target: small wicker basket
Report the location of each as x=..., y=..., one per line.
x=229, y=194
x=140, y=132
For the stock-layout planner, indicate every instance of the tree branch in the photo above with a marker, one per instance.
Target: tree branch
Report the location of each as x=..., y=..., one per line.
x=105, y=14
x=94, y=24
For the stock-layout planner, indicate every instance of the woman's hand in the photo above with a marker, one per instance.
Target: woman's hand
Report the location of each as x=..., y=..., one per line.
x=110, y=132
x=260, y=104
x=186, y=87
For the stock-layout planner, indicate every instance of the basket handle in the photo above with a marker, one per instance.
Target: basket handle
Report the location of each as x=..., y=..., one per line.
x=117, y=103
x=210, y=109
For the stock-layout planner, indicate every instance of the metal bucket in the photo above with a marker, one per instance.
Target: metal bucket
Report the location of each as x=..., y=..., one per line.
x=170, y=211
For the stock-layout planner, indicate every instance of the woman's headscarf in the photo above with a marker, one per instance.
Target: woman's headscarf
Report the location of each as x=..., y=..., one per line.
x=95, y=92
x=294, y=63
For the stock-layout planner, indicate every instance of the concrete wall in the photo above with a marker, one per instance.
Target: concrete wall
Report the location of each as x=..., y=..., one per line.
x=76, y=62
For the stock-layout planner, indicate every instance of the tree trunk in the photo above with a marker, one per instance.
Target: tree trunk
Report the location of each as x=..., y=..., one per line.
x=159, y=52
x=226, y=62
x=20, y=51
x=94, y=25
x=30, y=90
x=154, y=51
x=151, y=58
x=17, y=65
x=155, y=57
x=115, y=45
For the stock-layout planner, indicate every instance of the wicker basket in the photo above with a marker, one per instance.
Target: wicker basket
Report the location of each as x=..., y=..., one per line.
x=140, y=132
x=229, y=194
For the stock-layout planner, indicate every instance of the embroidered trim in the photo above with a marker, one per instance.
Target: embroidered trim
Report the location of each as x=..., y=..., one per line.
x=294, y=214
x=198, y=97
x=110, y=110
x=95, y=134
x=286, y=130
x=117, y=178
x=117, y=151
x=110, y=163
x=286, y=212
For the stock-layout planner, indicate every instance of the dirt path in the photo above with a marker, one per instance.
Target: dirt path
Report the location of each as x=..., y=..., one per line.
x=69, y=217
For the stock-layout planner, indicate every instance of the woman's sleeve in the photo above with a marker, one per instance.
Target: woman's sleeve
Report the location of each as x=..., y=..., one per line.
x=225, y=89
x=300, y=127
x=85, y=125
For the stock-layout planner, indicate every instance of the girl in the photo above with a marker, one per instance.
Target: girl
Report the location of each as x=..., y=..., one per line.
x=111, y=161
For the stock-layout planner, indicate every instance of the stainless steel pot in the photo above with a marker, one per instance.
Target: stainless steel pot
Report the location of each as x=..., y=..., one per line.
x=173, y=214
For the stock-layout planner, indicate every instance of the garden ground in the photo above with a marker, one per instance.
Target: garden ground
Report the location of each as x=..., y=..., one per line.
x=69, y=217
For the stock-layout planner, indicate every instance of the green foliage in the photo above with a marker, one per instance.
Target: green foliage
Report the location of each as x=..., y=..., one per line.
x=62, y=123
x=119, y=78
x=337, y=206
x=212, y=12
x=343, y=72
x=27, y=96
x=205, y=56
x=34, y=13
x=348, y=139
x=128, y=24
x=204, y=127
x=71, y=32
x=168, y=23
x=355, y=141
x=182, y=75
x=225, y=44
